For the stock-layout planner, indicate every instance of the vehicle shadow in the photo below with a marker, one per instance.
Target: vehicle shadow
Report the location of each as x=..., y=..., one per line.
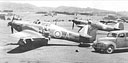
x=116, y=51
x=121, y=51
x=96, y=52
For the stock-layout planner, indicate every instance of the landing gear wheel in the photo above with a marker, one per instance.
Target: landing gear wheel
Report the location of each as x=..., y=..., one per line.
x=109, y=50
x=28, y=41
x=21, y=42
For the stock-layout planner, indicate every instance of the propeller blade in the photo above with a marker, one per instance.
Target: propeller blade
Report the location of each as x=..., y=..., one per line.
x=12, y=29
x=73, y=25
x=12, y=19
x=10, y=24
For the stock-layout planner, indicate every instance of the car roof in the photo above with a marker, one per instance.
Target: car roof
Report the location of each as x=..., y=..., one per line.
x=120, y=31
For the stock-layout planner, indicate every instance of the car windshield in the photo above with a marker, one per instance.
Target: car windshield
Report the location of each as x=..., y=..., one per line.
x=112, y=35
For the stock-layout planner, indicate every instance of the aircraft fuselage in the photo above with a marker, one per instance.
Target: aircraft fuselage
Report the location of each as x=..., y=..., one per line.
x=54, y=31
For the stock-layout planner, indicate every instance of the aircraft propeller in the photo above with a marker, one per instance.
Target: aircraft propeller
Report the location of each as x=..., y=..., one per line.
x=11, y=24
x=12, y=29
x=73, y=24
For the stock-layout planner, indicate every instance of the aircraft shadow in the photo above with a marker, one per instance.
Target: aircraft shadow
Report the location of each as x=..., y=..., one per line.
x=85, y=45
x=28, y=47
x=21, y=49
x=34, y=45
x=25, y=48
x=61, y=45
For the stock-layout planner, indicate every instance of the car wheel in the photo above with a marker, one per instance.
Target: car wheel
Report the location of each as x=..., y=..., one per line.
x=97, y=50
x=109, y=50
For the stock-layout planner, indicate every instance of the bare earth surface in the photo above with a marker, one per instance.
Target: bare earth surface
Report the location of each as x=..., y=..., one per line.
x=59, y=51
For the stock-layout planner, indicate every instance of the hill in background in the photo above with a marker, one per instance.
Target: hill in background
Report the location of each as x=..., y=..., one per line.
x=18, y=7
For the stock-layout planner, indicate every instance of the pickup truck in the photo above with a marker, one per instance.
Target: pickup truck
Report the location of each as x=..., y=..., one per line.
x=114, y=40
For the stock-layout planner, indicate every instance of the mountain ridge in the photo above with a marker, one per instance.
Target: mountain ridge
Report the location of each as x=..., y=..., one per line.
x=32, y=8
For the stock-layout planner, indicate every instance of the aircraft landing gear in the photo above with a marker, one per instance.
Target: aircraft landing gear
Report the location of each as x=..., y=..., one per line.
x=23, y=42
x=33, y=42
x=84, y=44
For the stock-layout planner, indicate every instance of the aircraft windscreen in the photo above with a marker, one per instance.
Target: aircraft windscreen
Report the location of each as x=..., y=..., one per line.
x=112, y=35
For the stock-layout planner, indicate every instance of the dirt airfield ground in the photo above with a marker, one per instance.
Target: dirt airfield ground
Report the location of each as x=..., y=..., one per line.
x=59, y=51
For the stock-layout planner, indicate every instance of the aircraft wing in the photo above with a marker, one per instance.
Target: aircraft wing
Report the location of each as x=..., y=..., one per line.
x=30, y=39
x=27, y=34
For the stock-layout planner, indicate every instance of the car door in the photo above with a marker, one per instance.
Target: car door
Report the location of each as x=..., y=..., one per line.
x=126, y=39
x=121, y=42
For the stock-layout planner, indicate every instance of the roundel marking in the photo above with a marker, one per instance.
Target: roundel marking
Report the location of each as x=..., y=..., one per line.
x=57, y=34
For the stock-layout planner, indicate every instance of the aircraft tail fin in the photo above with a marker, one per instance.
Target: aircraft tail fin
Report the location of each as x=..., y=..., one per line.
x=88, y=34
x=119, y=26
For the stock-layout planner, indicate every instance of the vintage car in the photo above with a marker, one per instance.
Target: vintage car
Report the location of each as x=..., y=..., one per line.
x=114, y=40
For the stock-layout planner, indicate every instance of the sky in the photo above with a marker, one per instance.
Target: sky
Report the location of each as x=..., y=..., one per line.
x=112, y=5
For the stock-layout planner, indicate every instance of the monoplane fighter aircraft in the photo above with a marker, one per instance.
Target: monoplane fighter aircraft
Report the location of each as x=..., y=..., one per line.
x=32, y=31
x=98, y=25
